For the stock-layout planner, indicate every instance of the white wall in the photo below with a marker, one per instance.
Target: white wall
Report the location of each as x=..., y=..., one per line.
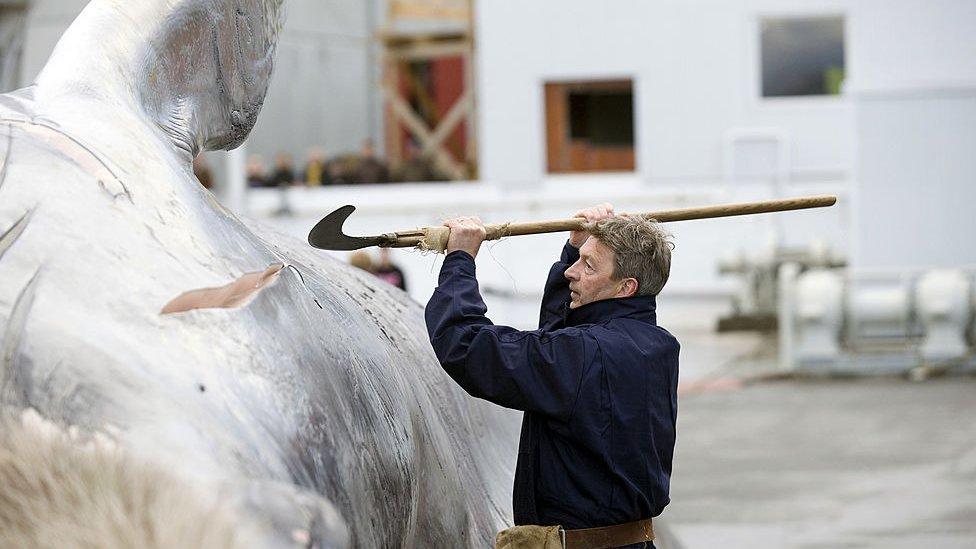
x=902, y=137
x=915, y=94
x=912, y=43
x=918, y=181
x=695, y=68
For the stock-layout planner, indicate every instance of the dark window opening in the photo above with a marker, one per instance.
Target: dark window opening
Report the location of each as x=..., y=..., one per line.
x=802, y=56
x=590, y=126
x=603, y=118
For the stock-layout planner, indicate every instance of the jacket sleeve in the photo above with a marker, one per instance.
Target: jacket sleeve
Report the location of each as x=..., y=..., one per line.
x=532, y=371
x=555, y=296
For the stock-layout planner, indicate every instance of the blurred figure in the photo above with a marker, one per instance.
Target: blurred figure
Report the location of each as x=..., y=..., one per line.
x=417, y=167
x=342, y=170
x=370, y=168
x=388, y=271
x=317, y=172
x=283, y=178
x=256, y=175
x=201, y=169
x=284, y=174
x=361, y=260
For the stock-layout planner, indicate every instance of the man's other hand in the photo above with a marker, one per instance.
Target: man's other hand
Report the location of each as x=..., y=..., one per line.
x=467, y=234
x=591, y=215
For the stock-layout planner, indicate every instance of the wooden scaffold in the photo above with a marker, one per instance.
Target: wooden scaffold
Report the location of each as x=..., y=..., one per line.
x=432, y=38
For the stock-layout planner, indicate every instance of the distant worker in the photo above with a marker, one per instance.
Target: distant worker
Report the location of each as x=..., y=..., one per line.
x=597, y=381
x=388, y=271
x=370, y=169
x=316, y=172
x=284, y=174
x=256, y=174
x=361, y=260
x=417, y=167
x=283, y=178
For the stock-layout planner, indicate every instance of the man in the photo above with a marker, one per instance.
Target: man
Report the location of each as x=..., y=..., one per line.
x=417, y=166
x=283, y=175
x=316, y=172
x=597, y=381
x=256, y=175
x=283, y=178
x=370, y=169
x=389, y=271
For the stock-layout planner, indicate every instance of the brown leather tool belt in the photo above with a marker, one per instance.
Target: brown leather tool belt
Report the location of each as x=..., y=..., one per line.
x=610, y=536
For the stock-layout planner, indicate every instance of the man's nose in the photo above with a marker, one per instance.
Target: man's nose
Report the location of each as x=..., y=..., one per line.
x=571, y=272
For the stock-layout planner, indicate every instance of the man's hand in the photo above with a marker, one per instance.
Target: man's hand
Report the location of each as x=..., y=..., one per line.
x=467, y=234
x=591, y=215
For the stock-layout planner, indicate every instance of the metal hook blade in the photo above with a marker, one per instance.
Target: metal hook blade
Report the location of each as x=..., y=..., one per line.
x=327, y=234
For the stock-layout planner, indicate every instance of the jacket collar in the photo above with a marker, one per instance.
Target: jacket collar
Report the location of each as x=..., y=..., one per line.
x=639, y=308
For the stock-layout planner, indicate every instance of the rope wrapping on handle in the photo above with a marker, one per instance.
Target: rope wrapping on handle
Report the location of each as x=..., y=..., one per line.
x=498, y=232
x=435, y=238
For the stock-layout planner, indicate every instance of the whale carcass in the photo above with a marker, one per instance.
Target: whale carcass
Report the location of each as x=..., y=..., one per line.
x=311, y=403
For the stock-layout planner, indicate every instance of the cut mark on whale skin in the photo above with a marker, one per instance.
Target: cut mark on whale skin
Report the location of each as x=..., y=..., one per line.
x=57, y=139
x=302, y=278
x=234, y=295
x=15, y=384
x=6, y=155
x=13, y=233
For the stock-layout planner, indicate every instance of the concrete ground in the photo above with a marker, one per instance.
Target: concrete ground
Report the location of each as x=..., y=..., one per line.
x=806, y=463
x=817, y=463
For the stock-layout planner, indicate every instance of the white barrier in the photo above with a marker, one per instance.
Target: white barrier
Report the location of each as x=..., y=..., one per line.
x=848, y=321
x=945, y=308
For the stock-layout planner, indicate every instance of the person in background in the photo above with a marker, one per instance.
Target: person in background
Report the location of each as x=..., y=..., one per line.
x=370, y=169
x=388, y=271
x=283, y=178
x=417, y=167
x=317, y=169
x=201, y=169
x=361, y=260
x=284, y=175
x=256, y=175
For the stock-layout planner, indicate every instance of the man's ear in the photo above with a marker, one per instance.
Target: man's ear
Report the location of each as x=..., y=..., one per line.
x=627, y=288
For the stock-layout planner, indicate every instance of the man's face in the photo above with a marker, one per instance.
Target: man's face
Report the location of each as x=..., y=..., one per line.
x=591, y=278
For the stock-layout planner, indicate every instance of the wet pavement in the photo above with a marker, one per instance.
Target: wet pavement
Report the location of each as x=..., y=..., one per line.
x=766, y=460
x=820, y=463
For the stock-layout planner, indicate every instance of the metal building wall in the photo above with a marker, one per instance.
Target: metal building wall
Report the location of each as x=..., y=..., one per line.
x=915, y=94
x=324, y=92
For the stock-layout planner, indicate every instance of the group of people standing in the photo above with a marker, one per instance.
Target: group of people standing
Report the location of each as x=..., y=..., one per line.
x=363, y=168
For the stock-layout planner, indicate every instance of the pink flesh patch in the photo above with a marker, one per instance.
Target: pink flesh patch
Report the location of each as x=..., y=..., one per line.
x=233, y=295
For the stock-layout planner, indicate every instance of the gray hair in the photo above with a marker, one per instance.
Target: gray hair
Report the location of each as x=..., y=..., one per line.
x=642, y=250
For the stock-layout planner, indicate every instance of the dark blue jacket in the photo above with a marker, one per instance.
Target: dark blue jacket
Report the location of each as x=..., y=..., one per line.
x=598, y=385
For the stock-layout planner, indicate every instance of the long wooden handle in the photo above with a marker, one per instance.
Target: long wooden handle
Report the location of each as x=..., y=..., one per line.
x=435, y=238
